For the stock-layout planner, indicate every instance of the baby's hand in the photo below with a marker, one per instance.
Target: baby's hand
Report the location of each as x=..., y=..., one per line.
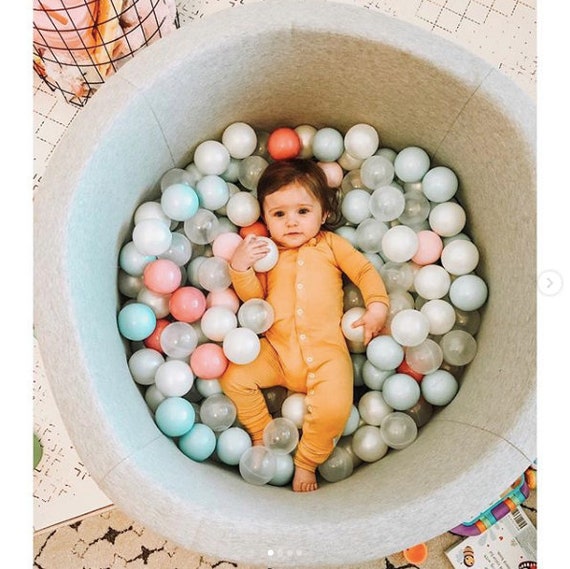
x=248, y=252
x=373, y=320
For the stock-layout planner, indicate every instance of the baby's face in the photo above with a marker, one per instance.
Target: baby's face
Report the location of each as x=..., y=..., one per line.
x=293, y=215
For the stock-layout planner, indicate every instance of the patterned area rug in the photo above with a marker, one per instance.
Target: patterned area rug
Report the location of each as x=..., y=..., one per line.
x=111, y=540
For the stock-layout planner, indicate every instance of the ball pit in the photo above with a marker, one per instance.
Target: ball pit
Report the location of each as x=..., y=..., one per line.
x=470, y=450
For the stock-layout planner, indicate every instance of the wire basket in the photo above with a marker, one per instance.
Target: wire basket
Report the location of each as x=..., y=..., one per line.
x=78, y=44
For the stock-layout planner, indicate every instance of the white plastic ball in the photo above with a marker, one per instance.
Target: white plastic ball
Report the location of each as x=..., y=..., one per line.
x=439, y=184
x=328, y=144
x=348, y=318
x=295, y=408
x=231, y=444
x=376, y=171
x=432, y=281
x=368, y=444
x=348, y=232
x=374, y=377
x=281, y=435
x=174, y=378
x=257, y=465
x=439, y=387
x=401, y=391
x=349, y=163
x=387, y=203
x=214, y=274
x=361, y=141
x=425, y=357
x=178, y=339
x=143, y=365
x=447, y=219
x=217, y=321
x=369, y=234
x=441, y=316
x=240, y=139
x=409, y=327
x=460, y=257
x=241, y=345
x=211, y=157
x=352, y=422
x=384, y=353
x=207, y=387
x=459, y=347
x=256, y=314
x=202, y=228
x=372, y=408
x=400, y=243
x=151, y=210
x=213, y=192
x=267, y=262
x=218, y=412
x=152, y=236
x=128, y=285
x=337, y=466
x=398, y=430
x=354, y=206
x=468, y=292
x=132, y=261
x=243, y=209
x=193, y=268
x=153, y=397
x=411, y=164
x=250, y=170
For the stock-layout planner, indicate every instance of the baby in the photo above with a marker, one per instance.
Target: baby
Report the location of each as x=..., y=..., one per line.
x=305, y=349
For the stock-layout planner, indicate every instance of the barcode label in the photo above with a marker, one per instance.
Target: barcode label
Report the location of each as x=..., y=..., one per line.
x=519, y=518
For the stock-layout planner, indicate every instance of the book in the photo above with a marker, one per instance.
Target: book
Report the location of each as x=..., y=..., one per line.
x=508, y=544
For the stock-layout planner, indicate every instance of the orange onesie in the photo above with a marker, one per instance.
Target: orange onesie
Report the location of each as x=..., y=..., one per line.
x=305, y=349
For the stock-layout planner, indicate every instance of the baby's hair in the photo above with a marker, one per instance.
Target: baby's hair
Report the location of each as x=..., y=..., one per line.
x=311, y=176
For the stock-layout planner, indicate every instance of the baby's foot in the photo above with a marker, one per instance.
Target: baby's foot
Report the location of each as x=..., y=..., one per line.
x=304, y=480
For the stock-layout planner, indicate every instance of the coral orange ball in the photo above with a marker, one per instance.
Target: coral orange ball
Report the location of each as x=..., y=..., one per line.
x=258, y=228
x=283, y=143
x=187, y=304
x=404, y=367
x=208, y=361
x=153, y=341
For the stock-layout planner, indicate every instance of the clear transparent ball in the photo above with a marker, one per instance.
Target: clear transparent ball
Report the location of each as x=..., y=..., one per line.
x=258, y=465
x=368, y=235
x=387, y=203
x=250, y=171
x=256, y=314
x=281, y=436
x=337, y=466
x=213, y=274
x=218, y=412
x=416, y=209
x=202, y=228
x=409, y=327
x=398, y=430
x=178, y=339
x=376, y=171
x=425, y=357
x=459, y=347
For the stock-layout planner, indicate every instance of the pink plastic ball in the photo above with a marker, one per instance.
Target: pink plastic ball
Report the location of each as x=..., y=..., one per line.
x=187, y=304
x=225, y=244
x=333, y=172
x=225, y=297
x=208, y=361
x=430, y=246
x=162, y=275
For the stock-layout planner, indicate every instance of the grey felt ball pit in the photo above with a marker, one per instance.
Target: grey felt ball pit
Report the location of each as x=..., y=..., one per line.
x=272, y=64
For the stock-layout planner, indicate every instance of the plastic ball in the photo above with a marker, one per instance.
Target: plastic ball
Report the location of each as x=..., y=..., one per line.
x=128, y=285
x=306, y=134
x=281, y=435
x=207, y=387
x=447, y=219
x=374, y=377
x=404, y=367
x=257, y=465
x=349, y=163
x=439, y=387
x=225, y=297
x=162, y=276
x=241, y=346
x=180, y=250
x=430, y=247
x=211, y=157
x=231, y=444
x=421, y=412
x=361, y=141
x=337, y=466
x=187, y=304
x=243, y=209
x=132, y=261
x=295, y=408
x=213, y=274
x=152, y=237
x=151, y=210
x=213, y=192
x=468, y=292
x=179, y=202
x=368, y=444
x=354, y=206
x=468, y=321
x=372, y=408
x=328, y=144
x=352, y=296
x=202, y=228
x=441, y=316
x=411, y=164
x=459, y=347
x=460, y=257
x=439, y=184
x=218, y=412
x=401, y=391
x=192, y=270
x=178, y=340
x=198, y=443
x=352, y=422
x=384, y=353
x=348, y=232
x=153, y=397
x=175, y=416
x=257, y=228
x=348, y=318
x=256, y=314
x=387, y=203
x=136, y=321
x=416, y=209
x=432, y=281
x=176, y=176
x=397, y=276
x=143, y=365
x=283, y=143
x=369, y=234
x=333, y=172
x=267, y=262
x=398, y=430
x=225, y=244
x=274, y=397
x=409, y=327
x=217, y=321
x=153, y=341
x=174, y=378
x=240, y=139
x=399, y=243
x=208, y=361
x=250, y=171
x=158, y=302
x=425, y=357
x=376, y=171
x=284, y=470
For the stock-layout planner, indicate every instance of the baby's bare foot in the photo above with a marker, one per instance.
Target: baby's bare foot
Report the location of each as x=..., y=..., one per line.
x=304, y=480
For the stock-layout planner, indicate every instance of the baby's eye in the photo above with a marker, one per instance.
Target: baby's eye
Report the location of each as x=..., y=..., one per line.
x=304, y=210
x=278, y=214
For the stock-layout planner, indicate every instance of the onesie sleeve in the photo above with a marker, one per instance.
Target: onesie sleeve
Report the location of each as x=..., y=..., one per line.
x=248, y=284
x=359, y=270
